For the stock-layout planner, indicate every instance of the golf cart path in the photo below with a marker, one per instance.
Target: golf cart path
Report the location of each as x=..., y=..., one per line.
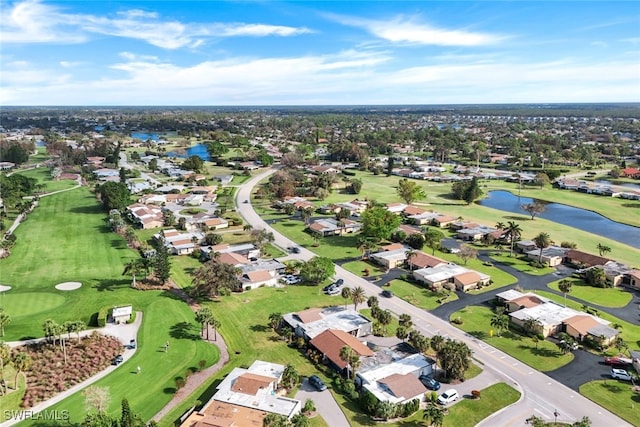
x=124, y=333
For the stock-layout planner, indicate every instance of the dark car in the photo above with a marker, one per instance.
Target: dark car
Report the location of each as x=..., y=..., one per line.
x=117, y=360
x=387, y=293
x=429, y=382
x=246, y=201
x=315, y=381
x=339, y=282
x=295, y=250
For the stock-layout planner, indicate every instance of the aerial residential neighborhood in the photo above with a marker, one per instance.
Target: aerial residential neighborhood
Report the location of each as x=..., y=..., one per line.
x=307, y=290
x=319, y=213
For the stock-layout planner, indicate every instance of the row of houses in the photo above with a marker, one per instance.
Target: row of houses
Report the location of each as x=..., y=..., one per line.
x=595, y=188
x=148, y=216
x=391, y=374
x=617, y=273
x=552, y=318
x=429, y=270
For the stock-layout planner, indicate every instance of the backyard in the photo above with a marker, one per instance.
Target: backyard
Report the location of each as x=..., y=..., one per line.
x=606, y=297
x=615, y=395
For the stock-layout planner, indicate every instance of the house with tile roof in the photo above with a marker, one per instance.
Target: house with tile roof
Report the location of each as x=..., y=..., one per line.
x=331, y=341
x=311, y=322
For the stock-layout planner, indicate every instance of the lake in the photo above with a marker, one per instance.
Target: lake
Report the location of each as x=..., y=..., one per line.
x=199, y=150
x=145, y=136
x=567, y=215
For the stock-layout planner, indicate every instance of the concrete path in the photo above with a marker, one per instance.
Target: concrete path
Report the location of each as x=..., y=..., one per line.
x=326, y=405
x=123, y=332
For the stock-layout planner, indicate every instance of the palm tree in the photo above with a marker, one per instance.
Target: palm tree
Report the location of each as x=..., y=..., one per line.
x=410, y=254
x=290, y=377
x=402, y=333
x=513, y=233
x=565, y=287
x=247, y=227
x=437, y=342
x=603, y=249
x=49, y=328
x=385, y=318
x=542, y=241
x=5, y=354
x=500, y=225
x=346, y=294
x=433, y=414
x=346, y=354
x=204, y=316
x=405, y=320
x=373, y=301
x=5, y=319
x=134, y=267
x=21, y=362
x=500, y=321
x=215, y=324
x=358, y=296
x=531, y=325
x=275, y=320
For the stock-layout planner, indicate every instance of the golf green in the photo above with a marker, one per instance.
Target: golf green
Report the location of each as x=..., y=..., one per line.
x=27, y=303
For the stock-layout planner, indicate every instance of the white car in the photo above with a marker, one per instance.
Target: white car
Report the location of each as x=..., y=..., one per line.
x=620, y=374
x=448, y=396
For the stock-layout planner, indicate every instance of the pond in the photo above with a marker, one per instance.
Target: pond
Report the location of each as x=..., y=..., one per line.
x=145, y=136
x=199, y=150
x=568, y=215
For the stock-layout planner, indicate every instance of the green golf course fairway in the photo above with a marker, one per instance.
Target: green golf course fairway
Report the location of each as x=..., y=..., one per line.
x=154, y=387
x=26, y=303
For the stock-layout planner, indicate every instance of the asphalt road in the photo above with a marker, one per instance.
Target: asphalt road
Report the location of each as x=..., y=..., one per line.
x=541, y=394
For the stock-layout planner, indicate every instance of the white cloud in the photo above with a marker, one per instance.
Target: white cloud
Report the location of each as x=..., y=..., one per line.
x=345, y=78
x=599, y=43
x=34, y=22
x=407, y=30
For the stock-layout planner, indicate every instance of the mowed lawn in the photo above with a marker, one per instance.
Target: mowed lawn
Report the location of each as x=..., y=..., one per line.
x=43, y=175
x=546, y=356
x=615, y=395
x=65, y=239
x=154, y=387
x=469, y=412
x=520, y=263
x=419, y=296
x=606, y=297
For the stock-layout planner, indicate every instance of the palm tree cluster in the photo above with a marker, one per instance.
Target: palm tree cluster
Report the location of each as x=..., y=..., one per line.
x=205, y=317
x=356, y=295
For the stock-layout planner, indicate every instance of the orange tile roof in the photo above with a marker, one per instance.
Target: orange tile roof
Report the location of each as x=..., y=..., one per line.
x=406, y=386
x=527, y=301
x=249, y=383
x=581, y=323
x=422, y=260
x=468, y=278
x=259, y=276
x=233, y=258
x=331, y=341
x=310, y=315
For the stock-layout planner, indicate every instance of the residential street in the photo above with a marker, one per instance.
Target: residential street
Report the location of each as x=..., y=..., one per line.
x=542, y=395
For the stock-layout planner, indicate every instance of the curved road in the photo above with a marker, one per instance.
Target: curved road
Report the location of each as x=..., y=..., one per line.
x=541, y=395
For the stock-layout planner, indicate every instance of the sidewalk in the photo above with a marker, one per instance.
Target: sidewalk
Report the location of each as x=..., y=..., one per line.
x=126, y=332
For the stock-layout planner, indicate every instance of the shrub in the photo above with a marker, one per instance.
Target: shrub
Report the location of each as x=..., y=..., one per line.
x=458, y=320
x=309, y=406
x=102, y=315
x=475, y=394
x=132, y=318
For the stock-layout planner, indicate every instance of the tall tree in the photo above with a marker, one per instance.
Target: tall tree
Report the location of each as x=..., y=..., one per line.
x=564, y=286
x=455, y=358
x=204, y=316
x=433, y=239
x=215, y=278
x=5, y=319
x=5, y=355
x=114, y=195
x=290, y=377
x=162, y=263
x=535, y=208
x=346, y=355
x=275, y=320
x=21, y=362
x=409, y=191
x=542, y=241
x=358, y=296
x=603, y=249
x=378, y=223
x=513, y=233
x=472, y=192
x=346, y=294
x=317, y=269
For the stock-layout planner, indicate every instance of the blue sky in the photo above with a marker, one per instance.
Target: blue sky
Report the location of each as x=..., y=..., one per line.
x=317, y=53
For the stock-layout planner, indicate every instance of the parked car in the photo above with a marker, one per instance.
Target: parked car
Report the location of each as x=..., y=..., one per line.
x=315, y=381
x=617, y=361
x=620, y=374
x=290, y=279
x=117, y=360
x=387, y=293
x=572, y=345
x=131, y=345
x=329, y=286
x=295, y=250
x=333, y=291
x=429, y=382
x=339, y=282
x=448, y=396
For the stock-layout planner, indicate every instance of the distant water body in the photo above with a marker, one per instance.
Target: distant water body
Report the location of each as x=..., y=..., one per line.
x=199, y=150
x=581, y=219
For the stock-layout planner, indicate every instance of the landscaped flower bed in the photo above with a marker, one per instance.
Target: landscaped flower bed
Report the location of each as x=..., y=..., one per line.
x=49, y=375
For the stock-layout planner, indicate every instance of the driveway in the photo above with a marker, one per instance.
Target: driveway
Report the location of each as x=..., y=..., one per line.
x=583, y=368
x=326, y=405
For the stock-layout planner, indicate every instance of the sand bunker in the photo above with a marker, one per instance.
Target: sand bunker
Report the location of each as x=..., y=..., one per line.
x=4, y=288
x=68, y=286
